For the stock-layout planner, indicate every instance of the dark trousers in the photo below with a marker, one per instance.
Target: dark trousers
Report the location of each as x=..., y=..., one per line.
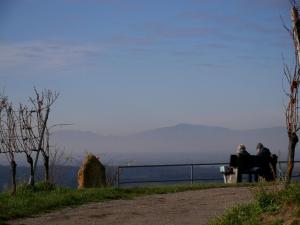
x=252, y=171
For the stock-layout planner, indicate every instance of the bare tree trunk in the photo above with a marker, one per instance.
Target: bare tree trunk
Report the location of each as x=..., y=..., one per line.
x=13, y=174
x=292, y=110
x=31, y=181
x=41, y=137
x=46, y=167
x=293, y=140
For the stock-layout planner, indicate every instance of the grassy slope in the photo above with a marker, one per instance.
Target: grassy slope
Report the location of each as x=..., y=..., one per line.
x=44, y=197
x=275, y=207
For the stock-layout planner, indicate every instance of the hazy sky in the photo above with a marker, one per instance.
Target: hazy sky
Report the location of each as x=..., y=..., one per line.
x=123, y=66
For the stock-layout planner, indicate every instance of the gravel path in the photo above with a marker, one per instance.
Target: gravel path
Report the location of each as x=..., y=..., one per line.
x=183, y=208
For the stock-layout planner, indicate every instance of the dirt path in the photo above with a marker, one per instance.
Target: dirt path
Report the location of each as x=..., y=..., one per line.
x=190, y=207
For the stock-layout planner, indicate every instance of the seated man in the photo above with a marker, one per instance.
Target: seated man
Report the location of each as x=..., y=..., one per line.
x=267, y=169
x=262, y=150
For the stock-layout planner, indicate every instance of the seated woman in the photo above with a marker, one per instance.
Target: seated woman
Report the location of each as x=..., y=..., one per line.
x=242, y=152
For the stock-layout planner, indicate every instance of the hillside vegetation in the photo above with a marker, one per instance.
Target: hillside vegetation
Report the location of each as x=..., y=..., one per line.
x=270, y=207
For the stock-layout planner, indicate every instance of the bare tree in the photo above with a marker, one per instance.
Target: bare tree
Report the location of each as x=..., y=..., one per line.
x=42, y=104
x=46, y=155
x=53, y=155
x=293, y=80
x=28, y=141
x=59, y=159
x=25, y=130
x=8, y=136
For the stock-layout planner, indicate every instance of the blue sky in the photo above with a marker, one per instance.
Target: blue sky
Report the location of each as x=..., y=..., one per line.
x=123, y=66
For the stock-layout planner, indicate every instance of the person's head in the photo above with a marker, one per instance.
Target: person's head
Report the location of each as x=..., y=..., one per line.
x=259, y=146
x=241, y=148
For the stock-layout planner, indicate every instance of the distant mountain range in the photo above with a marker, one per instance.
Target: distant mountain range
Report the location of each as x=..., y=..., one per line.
x=176, y=144
x=183, y=143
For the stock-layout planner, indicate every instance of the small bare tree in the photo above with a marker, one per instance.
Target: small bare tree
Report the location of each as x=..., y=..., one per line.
x=28, y=142
x=25, y=130
x=42, y=104
x=53, y=155
x=59, y=158
x=293, y=80
x=8, y=137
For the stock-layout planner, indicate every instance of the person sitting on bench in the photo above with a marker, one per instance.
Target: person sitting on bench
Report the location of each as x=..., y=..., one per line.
x=242, y=152
x=261, y=150
x=266, y=170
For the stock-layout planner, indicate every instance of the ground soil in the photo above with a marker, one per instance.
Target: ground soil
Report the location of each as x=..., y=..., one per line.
x=184, y=208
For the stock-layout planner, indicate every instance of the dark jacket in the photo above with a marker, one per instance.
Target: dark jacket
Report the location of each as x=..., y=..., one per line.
x=264, y=152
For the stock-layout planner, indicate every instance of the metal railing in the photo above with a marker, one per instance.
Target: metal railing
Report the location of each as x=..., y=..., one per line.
x=191, y=168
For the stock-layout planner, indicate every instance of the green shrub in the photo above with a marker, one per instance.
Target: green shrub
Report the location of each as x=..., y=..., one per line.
x=268, y=202
x=246, y=214
x=291, y=194
x=39, y=186
x=45, y=186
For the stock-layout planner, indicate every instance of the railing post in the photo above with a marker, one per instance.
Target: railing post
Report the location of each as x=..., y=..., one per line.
x=192, y=174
